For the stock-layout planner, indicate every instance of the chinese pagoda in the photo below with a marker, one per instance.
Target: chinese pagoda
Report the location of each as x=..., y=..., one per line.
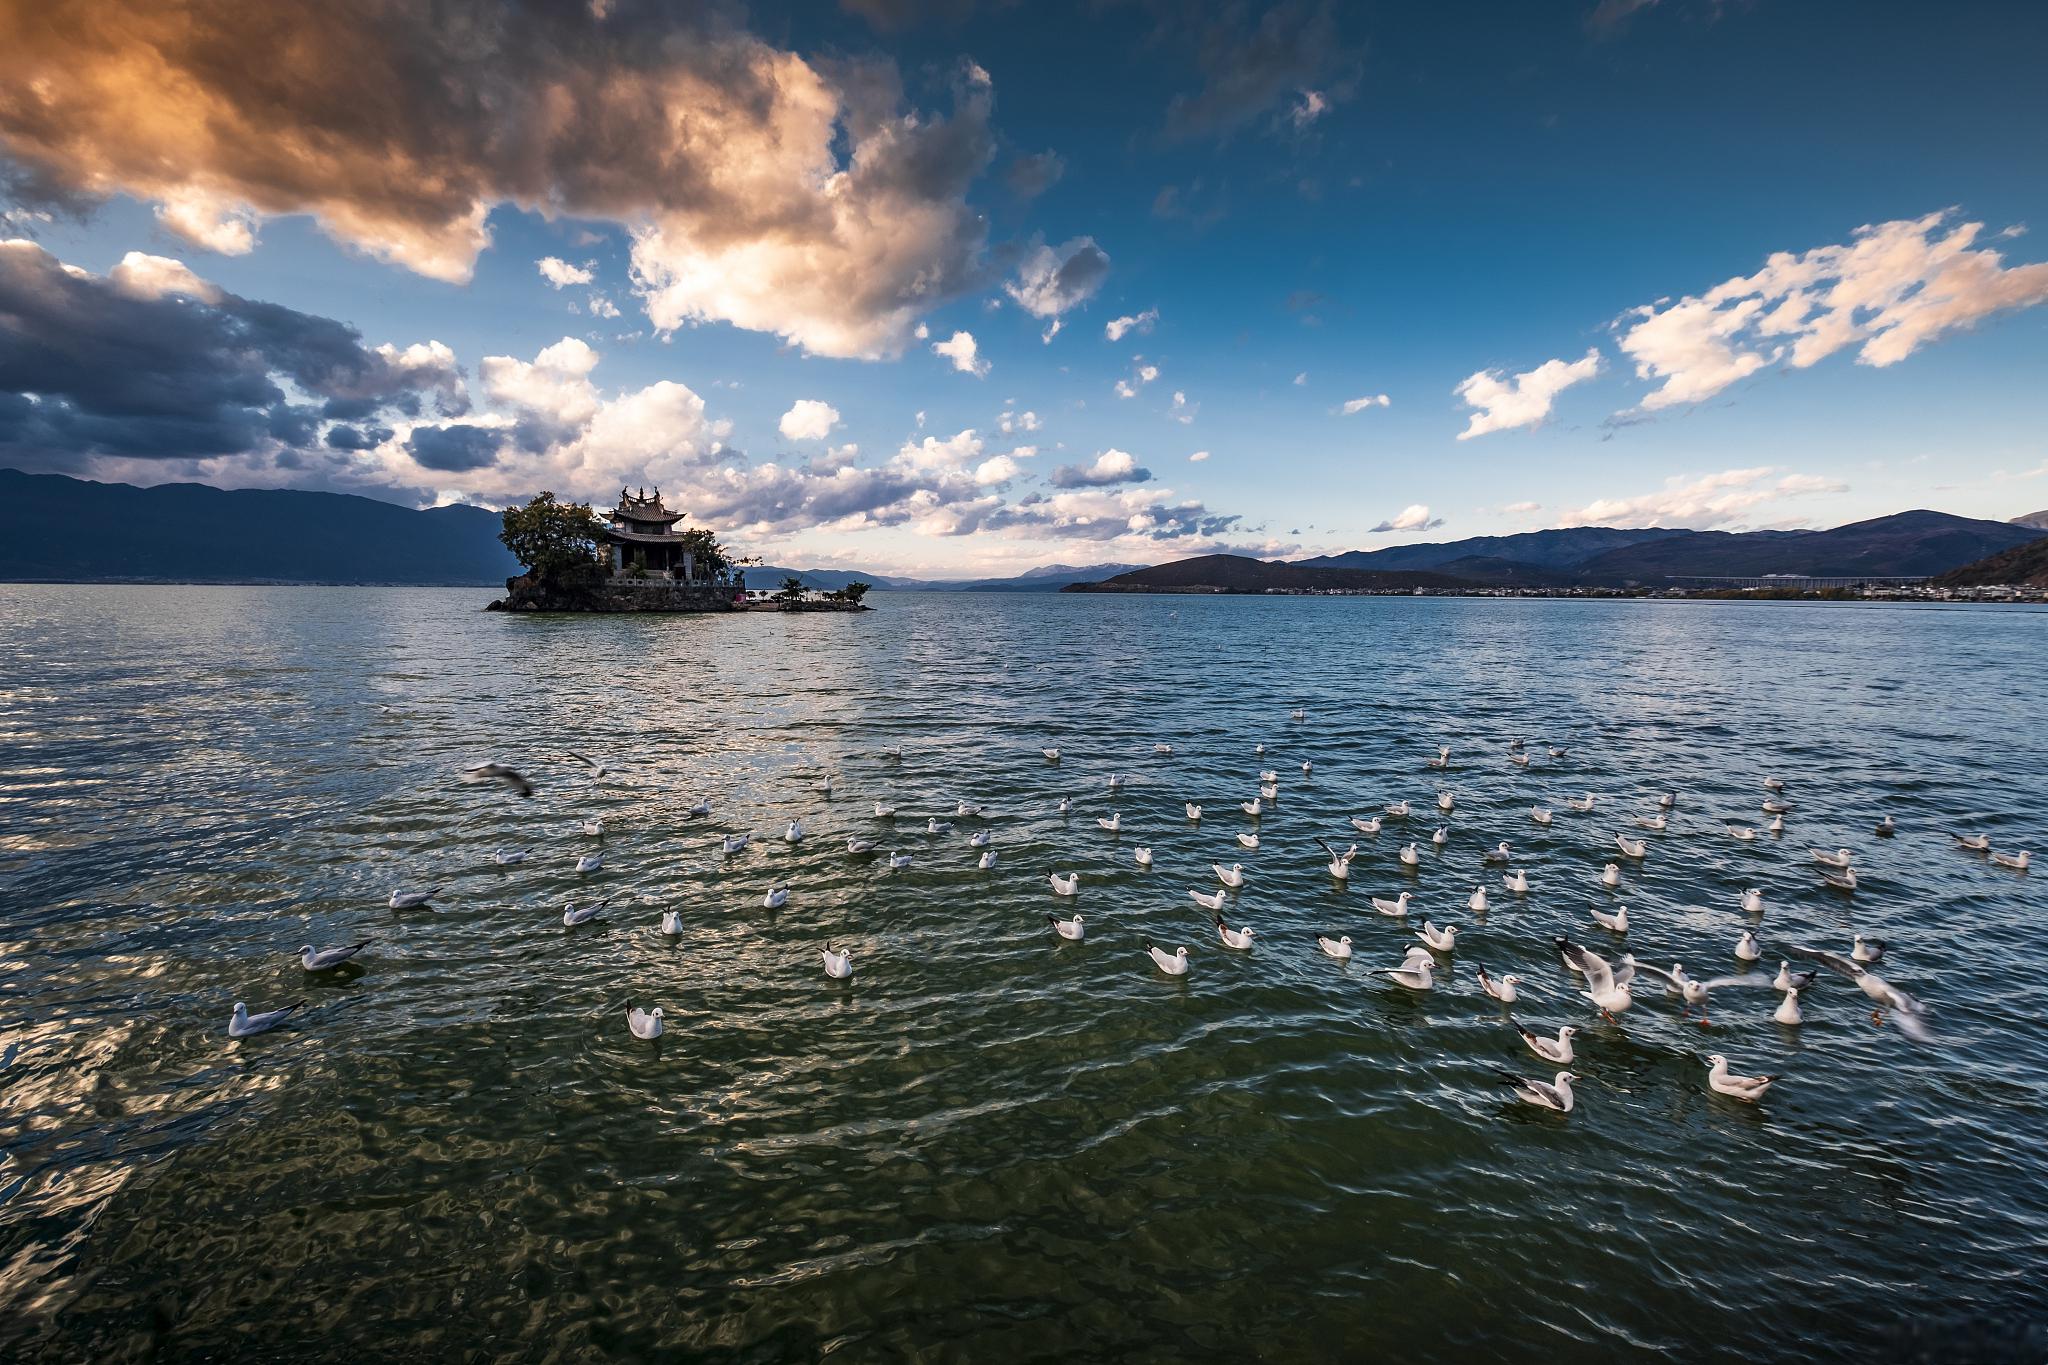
x=642, y=539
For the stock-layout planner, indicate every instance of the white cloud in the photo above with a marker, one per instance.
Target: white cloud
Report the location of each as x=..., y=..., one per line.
x=1182, y=411
x=1198, y=457
x=1141, y=375
x=215, y=222
x=1052, y=280
x=1126, y=389
x=1414, y=517
x=152, y=277
x=1521, y=507
x=1110, y=467
x=808, y=419
x=931, y=454
x=1524, y=401
x=1314, y=104
x=921, y=332
x=1301, y=380
x=560, y=273
x=1116, y=329
x=1702, y=502
x=1019, y=421
x=602, y=307
x=1052, y=330
x=1355, y=405
x=555, y=384
x=1894, y=288
x=996, y=469
x=965, y=355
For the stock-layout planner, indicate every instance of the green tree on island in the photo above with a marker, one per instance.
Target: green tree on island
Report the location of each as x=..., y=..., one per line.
x=853, y=592
x=792, y=589
x=554, y=539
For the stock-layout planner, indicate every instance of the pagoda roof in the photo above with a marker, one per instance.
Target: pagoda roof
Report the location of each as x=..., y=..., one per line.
x=643, y=508
x=613, y=533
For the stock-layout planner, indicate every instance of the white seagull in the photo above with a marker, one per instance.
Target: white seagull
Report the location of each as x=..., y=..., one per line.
x=507, y=857
x=1540, y=815
x=1742, y=832
x=1364, y=826
x=1268, y=775
x=898, y=861
x=1399, y=810
x=1339, y=948
x=1395, y=907
x=856, y=844
x=1668, y=800
x=1630, y=848
x=1789, y=980
x=1656, y=822
x=1788, y=1009
x=1174, y=963
x=1229, y=876
x=1976, y=843
x=2018, y=862
x=597, y=769
x=1753, y=901
x=327, y=959
x=1845, y=880
x=1254, y=807
x=1065, y=806
x=1064, y=886
x=1445, y=801
x=884, y=812
x=1516, y=881
x=1070, y=929
x=1746, y=949
x=1248, y=840
x=1909, y=1013
x=1477, y=900
x=1610, y=875
x=703, y=807
x=571, y=916
x=1194, y=811
x=965, y=809
x=590, y=862
x=838, y=962
x=1605, y=987
x=777, y=897
x=1051, y=755
x=1408, y=857
x=1444, y=940
x=1615, y=923
x=671, y=923
x=1162, y=748
x=1749, y=1089
x=1558, y=1051
x=593, y=829
x=1213, y=901
x=987, y=861
x=981, y=838
x=1839, y=858
x=244, y=1024
x=1500, y=853
x=1143, y=856
x=1502, y=988
x=1116, y=780
x=1417, y=972
x=1240, y=939
x=1113, y=823
x=1442, y=759
x=732, y=843
x=644, y=1023
x=1441, y=837
x=934, y=825
x=1580, y=804
x=407, y=900
x=499, y=773
x=1556, y=1095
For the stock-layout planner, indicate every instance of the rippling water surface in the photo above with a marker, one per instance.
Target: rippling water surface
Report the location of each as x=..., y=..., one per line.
x=993, y=1145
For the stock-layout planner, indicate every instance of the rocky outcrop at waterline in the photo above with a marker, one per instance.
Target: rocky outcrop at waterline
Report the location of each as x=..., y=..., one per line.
x=598, y=594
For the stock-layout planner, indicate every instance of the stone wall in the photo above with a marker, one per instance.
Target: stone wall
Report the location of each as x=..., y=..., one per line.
x=614, y=595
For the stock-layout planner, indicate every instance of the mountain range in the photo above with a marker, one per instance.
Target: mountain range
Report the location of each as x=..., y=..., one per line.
x=1906, y=544
x=55, y=528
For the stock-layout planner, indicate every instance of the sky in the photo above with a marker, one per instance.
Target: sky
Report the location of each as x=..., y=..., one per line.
x=954, y=287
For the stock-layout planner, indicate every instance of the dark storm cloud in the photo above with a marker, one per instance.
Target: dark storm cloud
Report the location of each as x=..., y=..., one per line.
x=137, y=364
x=455, y=449
x=1101, y=474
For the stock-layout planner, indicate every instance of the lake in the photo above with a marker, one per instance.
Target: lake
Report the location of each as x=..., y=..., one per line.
x=991, y=1144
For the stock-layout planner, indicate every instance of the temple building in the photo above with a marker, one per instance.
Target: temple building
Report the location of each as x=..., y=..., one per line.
x=643, y=541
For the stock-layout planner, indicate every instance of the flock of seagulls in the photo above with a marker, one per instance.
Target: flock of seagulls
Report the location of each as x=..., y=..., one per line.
x=1607, y=984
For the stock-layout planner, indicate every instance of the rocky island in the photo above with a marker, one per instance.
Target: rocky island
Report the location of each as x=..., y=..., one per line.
x=633, y=559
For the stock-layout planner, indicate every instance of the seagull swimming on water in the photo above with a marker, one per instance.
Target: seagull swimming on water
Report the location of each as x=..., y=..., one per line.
x=1867, y=950
x=981, y=838
x=1499, y=853
x=327, y=959
x=590, y=862
x=1248, y=840
x=1363, y=826
x=1789, y=980
x=1194, y=811
x=1976, y=843
x=777, y=897
x=1240, y=939
x=856, y=844
x=1749, y=1089
x=1839, y=858
x=408, y=900
x=1516, y=881
x=732, y=843
x=1069, y=929
x=1064, y=886
x=1503, y=989
x=1788, y=1012
x=1174, y=963
x=838, y=962
x=671, y=924
x=1213, y=901
x=898, y=861
x=1616, y=923
x=1746, y=949
x=1408, y=857
x=1444, y=940
x=987, y=861
x=1113, y=823
x=644, y=1023
x=1143, y=856
x=571, y=916
x=1557, y=1051
x=1395, y=907
x=243, y=1024
x=703, y=807
x=1753, y=901
x=1339, y=948
x=2018, y=862
x=1417, y=972
x=507, y=857
x=1610, y=875
x=1399, y=810
x=1580, y=804
x=1476, y=902
x=1556, y=1095
x=1229, y=876
x=1630, y=848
